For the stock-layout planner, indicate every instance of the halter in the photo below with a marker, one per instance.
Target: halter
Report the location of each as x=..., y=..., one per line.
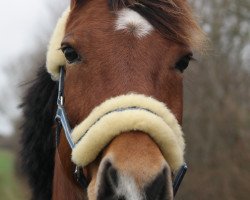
x=63, y=122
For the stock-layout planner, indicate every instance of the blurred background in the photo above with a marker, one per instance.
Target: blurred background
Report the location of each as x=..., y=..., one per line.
x=217, y=94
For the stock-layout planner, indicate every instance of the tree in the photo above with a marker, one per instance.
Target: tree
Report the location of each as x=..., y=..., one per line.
x=217, y=106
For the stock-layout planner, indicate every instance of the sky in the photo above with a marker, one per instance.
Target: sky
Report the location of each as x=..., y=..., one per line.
x=21, y=21
x=18, y=20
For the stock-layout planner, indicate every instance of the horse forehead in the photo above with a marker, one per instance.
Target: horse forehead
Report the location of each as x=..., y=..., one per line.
x=132, y=22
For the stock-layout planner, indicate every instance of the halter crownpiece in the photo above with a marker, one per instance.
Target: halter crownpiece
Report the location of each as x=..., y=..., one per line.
x=128, y=113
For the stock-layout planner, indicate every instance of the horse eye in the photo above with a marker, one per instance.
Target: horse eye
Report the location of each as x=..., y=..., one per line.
x=70, y=54
x=183, y=63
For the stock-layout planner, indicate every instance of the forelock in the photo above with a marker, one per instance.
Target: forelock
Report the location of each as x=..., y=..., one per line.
x=172, y=18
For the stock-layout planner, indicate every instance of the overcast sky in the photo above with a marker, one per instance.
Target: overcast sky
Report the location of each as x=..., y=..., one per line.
x=17, y=22
x=20, y=22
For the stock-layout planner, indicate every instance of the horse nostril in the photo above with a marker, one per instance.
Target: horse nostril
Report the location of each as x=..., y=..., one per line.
x=108, y=182
x=111, y=176
x=161, y=187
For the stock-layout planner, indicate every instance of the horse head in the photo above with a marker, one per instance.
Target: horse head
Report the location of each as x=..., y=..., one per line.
x=122, y=64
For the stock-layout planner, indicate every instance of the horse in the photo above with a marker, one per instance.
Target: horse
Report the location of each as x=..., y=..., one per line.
x=103, y=115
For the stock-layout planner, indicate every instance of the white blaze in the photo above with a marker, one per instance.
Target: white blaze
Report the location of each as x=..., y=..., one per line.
x=133, y=22
x=127, y=188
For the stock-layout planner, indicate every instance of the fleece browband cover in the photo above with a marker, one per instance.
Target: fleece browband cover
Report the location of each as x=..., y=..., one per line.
x=127, y=113
x=55, y=58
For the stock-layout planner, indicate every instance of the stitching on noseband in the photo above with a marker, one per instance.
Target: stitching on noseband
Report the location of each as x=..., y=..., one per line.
x=113, y=111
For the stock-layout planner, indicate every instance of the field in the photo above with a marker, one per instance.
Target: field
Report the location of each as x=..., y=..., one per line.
x=11, y=188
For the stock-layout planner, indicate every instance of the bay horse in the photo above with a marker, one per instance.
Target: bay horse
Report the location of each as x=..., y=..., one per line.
x=114, y=73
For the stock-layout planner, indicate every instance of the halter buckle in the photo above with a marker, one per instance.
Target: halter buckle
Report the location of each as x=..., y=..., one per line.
x=80, y=178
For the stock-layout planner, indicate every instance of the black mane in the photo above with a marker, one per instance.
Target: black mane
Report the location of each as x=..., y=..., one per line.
x=37, y=138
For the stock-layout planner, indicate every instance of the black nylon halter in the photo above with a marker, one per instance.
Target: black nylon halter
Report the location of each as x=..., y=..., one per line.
x=63, y=122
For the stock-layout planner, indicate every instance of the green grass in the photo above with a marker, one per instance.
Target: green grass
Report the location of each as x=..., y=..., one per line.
x=11, y=188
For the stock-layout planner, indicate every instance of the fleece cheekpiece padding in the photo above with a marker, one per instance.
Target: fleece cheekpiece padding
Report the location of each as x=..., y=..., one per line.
x=55, y=58
x=128, y=113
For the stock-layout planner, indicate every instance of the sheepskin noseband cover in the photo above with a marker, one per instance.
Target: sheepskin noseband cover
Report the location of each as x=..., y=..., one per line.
x=128, y=113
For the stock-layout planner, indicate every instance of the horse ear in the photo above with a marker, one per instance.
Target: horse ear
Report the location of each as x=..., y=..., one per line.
x=75, y=3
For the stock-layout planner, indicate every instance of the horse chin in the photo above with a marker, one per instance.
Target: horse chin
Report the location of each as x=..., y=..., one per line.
x=132, y=167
